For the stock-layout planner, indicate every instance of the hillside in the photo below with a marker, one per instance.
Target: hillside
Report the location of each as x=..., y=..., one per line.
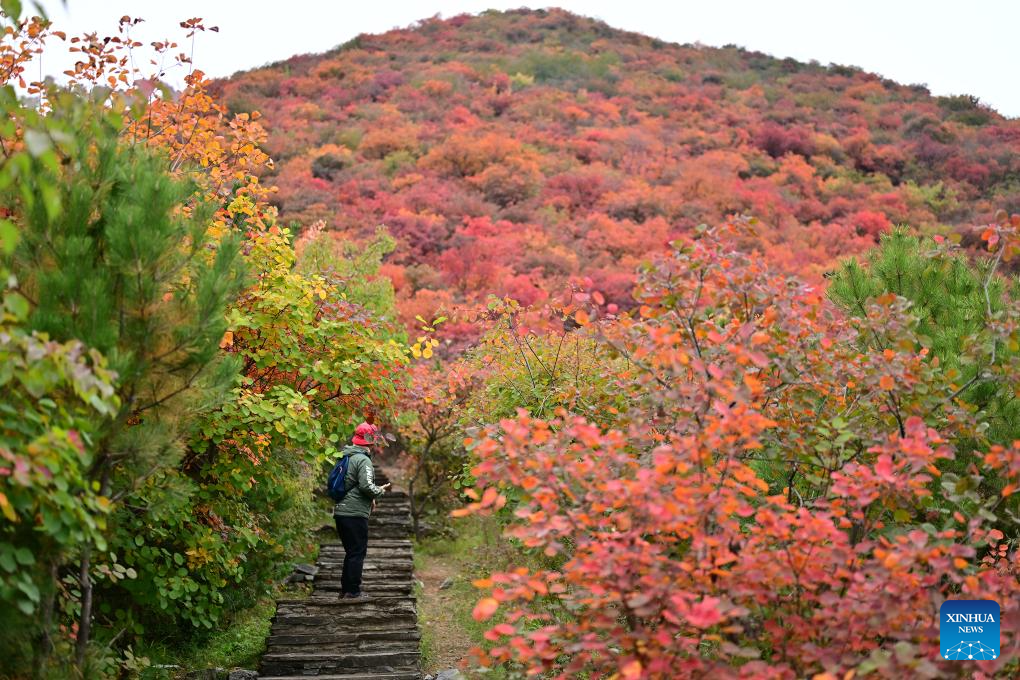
x=509, y=152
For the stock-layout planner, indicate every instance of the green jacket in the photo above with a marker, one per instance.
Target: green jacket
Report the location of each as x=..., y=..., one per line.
x=361, y=482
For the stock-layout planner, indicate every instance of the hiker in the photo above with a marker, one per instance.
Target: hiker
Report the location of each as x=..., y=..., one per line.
x=351, y=513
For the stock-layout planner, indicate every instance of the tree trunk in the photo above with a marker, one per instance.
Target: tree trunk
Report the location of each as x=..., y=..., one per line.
x=85, y=579
x=416, y=508
x=44, y=643
x=85, y=620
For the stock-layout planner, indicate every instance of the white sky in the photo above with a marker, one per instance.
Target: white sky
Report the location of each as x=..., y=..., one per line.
x=953, y=46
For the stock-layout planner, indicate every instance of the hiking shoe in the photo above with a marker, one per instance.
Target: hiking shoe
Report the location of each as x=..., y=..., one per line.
x=353, y=596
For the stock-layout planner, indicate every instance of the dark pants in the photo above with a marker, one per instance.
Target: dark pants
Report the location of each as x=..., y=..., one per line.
x=354, y=536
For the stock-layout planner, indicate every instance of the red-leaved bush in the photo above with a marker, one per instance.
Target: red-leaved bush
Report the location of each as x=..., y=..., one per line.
x=773, y=505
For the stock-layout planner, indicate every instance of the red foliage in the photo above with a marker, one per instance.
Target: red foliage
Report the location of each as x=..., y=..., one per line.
x=606, y=146
x=711, y=534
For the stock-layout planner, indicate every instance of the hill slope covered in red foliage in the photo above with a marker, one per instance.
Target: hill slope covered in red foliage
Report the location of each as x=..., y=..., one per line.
x=510, y=152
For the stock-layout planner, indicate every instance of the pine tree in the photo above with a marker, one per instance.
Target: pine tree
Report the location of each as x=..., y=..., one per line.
x=121, y=259
x=955, y=299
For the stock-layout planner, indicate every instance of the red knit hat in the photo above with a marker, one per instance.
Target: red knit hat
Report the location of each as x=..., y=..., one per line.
x=364, y=434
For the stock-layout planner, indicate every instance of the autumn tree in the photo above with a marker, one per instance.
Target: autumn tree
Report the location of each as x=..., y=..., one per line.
x=428, y=423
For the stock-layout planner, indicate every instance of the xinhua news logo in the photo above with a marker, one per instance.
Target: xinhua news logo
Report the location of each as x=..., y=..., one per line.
x=969, y=630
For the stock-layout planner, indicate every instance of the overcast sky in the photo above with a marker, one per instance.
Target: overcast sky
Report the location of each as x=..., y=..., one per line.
x=954, y=47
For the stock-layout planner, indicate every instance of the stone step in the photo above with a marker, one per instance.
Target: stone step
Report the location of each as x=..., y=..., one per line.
x=389, y=532
x=404, y=673
x=374, y=554
x=331, y=643
x=285, y=631
x=384, y=557
x=348, y=614
x=372, y=562
x=396, y=588
x=375, y=549
x=326, y=639
x=288, y=607
x=367, y=576
x=378, y=573
x=381, y=544
x=334, y=661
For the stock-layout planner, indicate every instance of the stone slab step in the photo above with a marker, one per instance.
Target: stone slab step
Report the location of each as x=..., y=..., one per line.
x=334, y=661
x=406, y=673
x=401, y=566
x=331, y=589
x=339, y=646
x=326, y=639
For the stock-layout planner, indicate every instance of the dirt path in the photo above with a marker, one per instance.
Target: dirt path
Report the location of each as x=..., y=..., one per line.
x=439, y=611
x=443, y=613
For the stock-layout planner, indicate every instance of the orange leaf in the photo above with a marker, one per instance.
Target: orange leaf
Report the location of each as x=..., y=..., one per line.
x=631, y=671
x=582, y=317
x=886, y=382
x=485, y=608
x=228, y=340
x=489, y=497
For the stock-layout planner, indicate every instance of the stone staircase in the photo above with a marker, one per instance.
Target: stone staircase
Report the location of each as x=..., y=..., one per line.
x=371, y=638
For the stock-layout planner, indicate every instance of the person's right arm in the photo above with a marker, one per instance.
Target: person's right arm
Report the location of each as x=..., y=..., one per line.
x=366, y=480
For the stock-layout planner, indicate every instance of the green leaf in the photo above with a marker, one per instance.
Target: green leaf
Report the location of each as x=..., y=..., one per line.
x=24, y=556
x=30, y=589
x=12, y=8
x=8, y=237
x=17, y=306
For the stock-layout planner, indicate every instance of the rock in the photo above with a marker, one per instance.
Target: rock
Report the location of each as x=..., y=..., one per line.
x=242, y=674
x=447, y=583
x=309, y=569
x=207, y=674
x=449, y=674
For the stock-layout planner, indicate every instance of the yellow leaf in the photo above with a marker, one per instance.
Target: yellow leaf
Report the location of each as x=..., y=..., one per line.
x=427, y=353
x=8, y=510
